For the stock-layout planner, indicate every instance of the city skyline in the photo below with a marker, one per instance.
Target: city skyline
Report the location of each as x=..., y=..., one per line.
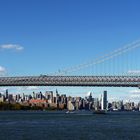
x=114, y=94
x=47, y=36
x=50, y=100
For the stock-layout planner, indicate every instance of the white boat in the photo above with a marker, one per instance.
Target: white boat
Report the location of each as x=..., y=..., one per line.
x=70, y=112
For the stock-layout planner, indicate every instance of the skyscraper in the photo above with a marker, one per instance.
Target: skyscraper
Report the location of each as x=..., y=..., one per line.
x=104, y=101
x=6, y=94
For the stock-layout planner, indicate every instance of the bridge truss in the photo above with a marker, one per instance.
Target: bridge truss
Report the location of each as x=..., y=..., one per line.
x=113, y=81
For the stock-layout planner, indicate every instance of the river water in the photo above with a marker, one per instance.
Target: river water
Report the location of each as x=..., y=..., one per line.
x=29, y=125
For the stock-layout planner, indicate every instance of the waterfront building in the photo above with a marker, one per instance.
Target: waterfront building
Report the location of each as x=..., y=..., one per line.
x=117, y=105
x=23, y=97
x=34, y=96
x=17, y=97
x=6, y=94
x=27, y=98
x=77, y=105
x=96, y=104
x=129, y=106
x=38, y=102
x=49, y=96
x=2, y=98
x=71, y=105
x=90, y=97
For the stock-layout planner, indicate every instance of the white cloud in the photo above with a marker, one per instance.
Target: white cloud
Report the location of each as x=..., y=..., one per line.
x=136, y=91
x=2, y=89
x=27, y=88
x=32, y=88
x=2, y=71
x=135, y=95
x=134, y=72
x=15, y=47
x=135, y=98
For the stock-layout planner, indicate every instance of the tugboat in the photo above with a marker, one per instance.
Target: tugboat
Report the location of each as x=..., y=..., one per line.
x=99, y=112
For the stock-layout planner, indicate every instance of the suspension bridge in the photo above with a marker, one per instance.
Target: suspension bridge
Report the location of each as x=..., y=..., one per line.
x=113, y=69
x=115, y=81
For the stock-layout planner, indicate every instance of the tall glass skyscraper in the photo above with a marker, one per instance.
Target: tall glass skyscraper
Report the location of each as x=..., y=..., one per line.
x=104, y=101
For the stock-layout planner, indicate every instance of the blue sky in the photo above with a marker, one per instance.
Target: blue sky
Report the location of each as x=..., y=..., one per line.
x=43, y=36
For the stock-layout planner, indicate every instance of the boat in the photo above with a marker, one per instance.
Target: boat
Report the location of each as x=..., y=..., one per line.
x=99, y=112
x=70, y=112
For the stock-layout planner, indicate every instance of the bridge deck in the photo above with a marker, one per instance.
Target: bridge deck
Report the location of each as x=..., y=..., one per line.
x=115, y=81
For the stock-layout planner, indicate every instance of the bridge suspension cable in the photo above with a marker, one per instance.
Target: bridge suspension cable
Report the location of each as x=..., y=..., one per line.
x=101, y=59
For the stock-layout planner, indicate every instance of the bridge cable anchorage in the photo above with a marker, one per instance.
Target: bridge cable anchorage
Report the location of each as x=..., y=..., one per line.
x=101, y=59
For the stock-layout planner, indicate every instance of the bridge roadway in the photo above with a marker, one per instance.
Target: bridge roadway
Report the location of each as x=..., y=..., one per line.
x=112, y=81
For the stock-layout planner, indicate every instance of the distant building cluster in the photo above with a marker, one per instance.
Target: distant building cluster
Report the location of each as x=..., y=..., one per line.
x=51, y=100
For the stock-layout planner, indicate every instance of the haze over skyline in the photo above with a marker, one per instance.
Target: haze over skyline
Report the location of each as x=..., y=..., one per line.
x=42, y=36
